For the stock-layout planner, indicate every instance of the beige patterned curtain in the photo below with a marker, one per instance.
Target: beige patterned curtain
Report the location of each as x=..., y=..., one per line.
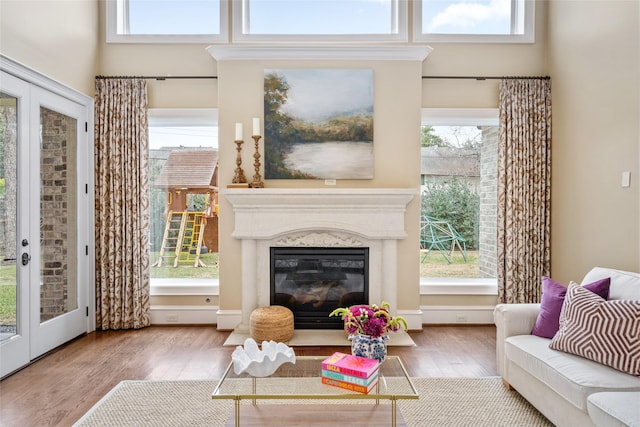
x=122, y=204
x=524, y=189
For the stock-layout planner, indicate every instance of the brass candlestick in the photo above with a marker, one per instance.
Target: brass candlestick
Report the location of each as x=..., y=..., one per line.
x=257, y=178
x=239, y=178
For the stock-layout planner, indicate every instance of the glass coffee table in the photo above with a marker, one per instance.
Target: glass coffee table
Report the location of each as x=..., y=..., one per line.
x=302, y=381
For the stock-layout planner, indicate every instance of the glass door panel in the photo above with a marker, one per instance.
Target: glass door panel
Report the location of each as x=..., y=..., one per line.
x=58, y=304
x=14, y=225
x=8, y=216
x=58, y=235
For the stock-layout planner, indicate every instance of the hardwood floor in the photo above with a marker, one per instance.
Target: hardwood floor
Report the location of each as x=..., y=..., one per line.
x=59, y=388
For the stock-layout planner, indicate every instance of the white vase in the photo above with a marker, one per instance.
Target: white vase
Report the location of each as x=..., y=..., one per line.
x=369, y=347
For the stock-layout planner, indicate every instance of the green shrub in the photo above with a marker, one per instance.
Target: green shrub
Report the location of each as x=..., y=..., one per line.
x=455, y=202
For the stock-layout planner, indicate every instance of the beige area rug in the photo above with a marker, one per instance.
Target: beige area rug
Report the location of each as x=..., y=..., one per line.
x=459, y=402
x=321, y=338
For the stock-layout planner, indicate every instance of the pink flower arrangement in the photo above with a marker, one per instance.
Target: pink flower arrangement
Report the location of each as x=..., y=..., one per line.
x=372, y=320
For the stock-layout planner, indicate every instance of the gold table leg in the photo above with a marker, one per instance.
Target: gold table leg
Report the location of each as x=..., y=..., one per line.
x=393, y=412
x=237, y=412
x=253, y=389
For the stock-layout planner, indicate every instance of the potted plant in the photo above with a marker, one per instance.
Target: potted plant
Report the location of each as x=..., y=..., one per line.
x=368, y=326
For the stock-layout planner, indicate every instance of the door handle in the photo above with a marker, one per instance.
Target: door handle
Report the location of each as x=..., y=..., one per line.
x=25, y=258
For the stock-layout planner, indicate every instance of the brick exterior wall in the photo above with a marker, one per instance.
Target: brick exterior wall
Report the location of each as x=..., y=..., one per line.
x=57, y=206
x=488, y=201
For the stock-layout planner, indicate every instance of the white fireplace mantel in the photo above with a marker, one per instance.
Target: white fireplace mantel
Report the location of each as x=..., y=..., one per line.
x=371, y=213
x=268, y=217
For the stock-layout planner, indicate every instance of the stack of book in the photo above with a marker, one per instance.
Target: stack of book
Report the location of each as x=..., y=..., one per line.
x=350, y=372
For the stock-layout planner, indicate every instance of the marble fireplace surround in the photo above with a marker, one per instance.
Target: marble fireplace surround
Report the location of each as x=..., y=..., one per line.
x=269, y=217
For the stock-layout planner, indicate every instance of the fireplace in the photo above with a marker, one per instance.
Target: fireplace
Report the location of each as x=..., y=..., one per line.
x=313, y=281
x=301, y=218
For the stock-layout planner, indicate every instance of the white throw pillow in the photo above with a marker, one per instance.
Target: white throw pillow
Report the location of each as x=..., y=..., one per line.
x=624, y=284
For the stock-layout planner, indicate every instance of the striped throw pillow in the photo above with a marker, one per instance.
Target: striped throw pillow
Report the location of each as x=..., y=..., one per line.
x=606, y=332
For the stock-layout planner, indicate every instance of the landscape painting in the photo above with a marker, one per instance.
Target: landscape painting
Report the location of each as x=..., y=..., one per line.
x=318, y=123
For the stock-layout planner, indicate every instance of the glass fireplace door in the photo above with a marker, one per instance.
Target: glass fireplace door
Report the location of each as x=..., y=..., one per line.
x=312, y=282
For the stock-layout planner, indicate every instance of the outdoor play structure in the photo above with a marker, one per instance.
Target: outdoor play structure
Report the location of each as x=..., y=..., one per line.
x=442, y=236
x=185, y=172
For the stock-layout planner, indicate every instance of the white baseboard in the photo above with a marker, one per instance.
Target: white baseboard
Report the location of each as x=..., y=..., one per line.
x=413, y=318
x=464, y=314
x=228, y=320
x=183, y=314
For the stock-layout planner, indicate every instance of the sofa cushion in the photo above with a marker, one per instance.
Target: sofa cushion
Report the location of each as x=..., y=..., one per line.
x=607, y=332
x=573, y=377
x=553, y=294
x=624, y=284
x=614, y=409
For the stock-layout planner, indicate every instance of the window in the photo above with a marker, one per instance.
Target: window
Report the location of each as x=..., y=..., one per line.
x=183, y=153
x=458, y=196
x=477, y=21
x=325, y=20
x=167, y=21
x=207, y=21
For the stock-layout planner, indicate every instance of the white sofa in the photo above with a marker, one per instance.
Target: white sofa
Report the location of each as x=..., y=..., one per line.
x=559, y=384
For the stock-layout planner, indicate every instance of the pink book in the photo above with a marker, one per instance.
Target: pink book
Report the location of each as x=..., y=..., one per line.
x=348, y=364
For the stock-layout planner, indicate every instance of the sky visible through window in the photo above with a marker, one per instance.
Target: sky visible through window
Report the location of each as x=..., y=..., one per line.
x=189, y=17
x=458, y=136
x=466, y=16
x=188, y=136
x=321, y=17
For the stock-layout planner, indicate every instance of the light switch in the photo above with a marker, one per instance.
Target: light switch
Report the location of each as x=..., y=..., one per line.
x=626, y=179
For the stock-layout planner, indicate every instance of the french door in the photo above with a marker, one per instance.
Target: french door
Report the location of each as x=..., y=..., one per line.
x=44, y=221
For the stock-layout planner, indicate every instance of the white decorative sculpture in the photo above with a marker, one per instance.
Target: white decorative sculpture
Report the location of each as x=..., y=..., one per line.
x=261, y=363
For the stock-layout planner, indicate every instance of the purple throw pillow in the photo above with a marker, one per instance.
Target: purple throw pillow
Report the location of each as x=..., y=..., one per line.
x=553, y=293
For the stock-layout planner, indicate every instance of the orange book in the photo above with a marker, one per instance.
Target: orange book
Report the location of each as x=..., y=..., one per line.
x=350, y=386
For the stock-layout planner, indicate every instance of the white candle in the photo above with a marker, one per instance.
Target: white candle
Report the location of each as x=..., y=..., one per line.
x=256, y=126
x=238, y=131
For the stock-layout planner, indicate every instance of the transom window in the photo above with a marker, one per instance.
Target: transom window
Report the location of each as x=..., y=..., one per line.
x=317, y=21
x=320, y=20
x=479, y=21
x=166, y=21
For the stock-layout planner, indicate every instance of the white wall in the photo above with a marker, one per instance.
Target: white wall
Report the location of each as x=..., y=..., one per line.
x=594, y=63
x=56, y=38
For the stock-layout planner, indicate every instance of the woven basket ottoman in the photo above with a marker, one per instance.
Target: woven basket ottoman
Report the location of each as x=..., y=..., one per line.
x=273, y=323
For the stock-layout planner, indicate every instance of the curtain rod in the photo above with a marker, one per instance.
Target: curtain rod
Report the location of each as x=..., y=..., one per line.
x=155, y=77
x=485, y=78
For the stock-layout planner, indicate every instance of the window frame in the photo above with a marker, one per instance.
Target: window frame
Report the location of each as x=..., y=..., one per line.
x=240, y=18
x=527, y=36
x=116, y=12
x=160, y=117
x=458, y=117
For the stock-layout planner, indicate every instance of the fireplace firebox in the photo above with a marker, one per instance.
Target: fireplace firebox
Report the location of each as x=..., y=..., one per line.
x=313, y=281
